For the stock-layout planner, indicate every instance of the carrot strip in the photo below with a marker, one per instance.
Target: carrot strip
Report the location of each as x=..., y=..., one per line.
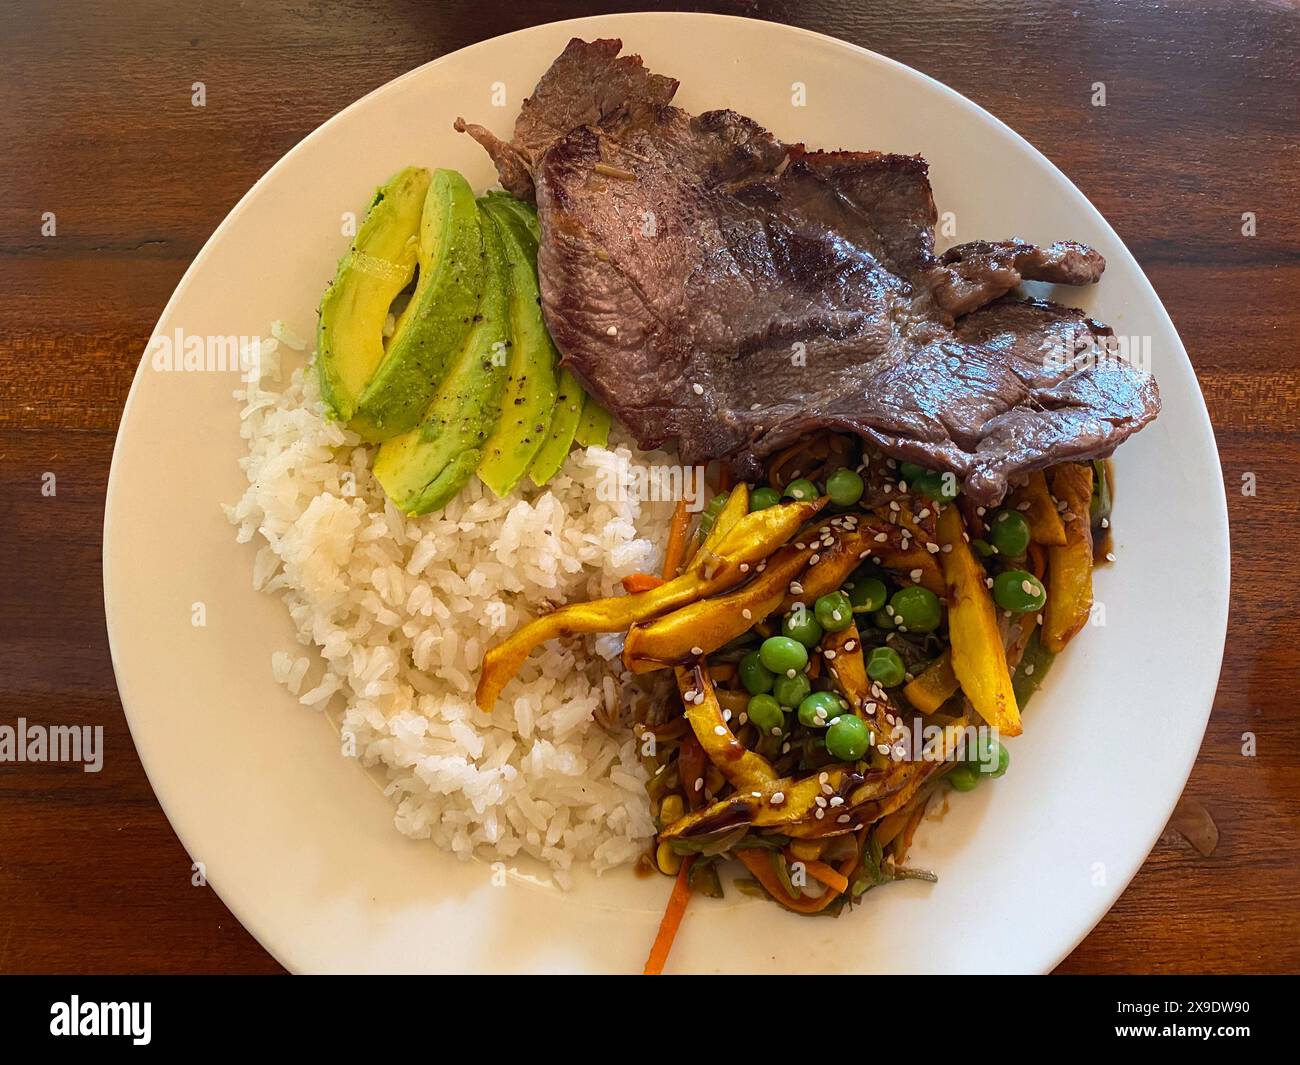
x=676, y=549
x=823, y=873
x=654, y=964
x=641, y=582
x=759, y=862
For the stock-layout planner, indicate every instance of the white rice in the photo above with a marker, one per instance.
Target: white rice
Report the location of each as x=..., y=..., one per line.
x=398, y=613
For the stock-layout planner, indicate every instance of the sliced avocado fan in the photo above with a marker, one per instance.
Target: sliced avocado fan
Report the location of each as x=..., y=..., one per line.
x=433, y=327
x=378, y=266
x=529, y=398
x=425, y=467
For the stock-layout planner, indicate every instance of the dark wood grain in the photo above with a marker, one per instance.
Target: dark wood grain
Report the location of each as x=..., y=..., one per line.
x=1201, y=126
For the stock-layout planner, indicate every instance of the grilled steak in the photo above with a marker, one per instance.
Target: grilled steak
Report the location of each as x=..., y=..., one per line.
x=709, y=283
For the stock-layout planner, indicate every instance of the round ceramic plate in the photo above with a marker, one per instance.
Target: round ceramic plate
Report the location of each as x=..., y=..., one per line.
x=299, y=842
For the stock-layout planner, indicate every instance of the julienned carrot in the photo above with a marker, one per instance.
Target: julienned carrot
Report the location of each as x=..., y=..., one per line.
x=676, y=550
x=654, y=964
x=823, y=873
x=641, y=582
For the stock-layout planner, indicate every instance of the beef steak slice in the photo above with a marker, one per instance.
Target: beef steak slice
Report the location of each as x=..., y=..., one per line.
x=711, y=284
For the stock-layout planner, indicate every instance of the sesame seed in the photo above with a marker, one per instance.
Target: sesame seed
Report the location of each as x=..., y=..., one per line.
x=747, y=614
x=726, y=715
x=699, y=784
x=850, y=645
x=1029, y=670
x=946, y=548
x=915, y=574
x=744, y=567
x=1022, y=506
x=743, y=719
x=791, y=673
x=756, y=794
x=980, y=511
x=719, y=730
x=933, y=548
x=823, y=778
x=830, y=655
x=844, y=819
x=785, y=748
x=883, y=748
x=988, y=582
x=821, y=803
x=1027, y=587
x=698, y=389
x=814, y=560
x=820, y=814
x=612, y=331
x=1105, y=523
x=697, y=651
x=837, y=800
x=778, y=797
x=1110, y=556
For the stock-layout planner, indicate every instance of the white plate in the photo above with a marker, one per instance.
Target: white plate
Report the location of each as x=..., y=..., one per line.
x=298, y=841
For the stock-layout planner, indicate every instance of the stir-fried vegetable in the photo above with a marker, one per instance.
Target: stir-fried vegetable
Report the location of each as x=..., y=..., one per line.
x=1069, y=566
x=755, y=536
x=979, y=660
x=805, y=621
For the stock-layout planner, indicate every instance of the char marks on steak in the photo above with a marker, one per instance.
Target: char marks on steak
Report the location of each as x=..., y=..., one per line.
x=709, y=283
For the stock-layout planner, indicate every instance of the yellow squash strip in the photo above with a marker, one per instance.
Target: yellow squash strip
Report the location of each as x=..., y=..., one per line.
x=704, y=626
x=1042, y=516
x=778, y=802
x=751, y=540
x=843, y=653
x=978, y=658
x=1069, y=566
x=735, y=508
x=743, y=768
x=931, y=689
x=834, y=563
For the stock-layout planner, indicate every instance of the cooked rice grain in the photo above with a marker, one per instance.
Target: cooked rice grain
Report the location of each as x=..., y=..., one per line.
x=400, y=612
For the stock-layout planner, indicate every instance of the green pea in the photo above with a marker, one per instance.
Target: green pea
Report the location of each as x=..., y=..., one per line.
x=834, y=611
x=762, y=498
x=845, y=487
x=867, y=595
x=883, y=619
x=990, y=757
x=848, y=738
x=820, y=708
x=1009, y=533
x=802, y=624
x=765, y=713
x=940, y=486
x=964, y=778
x=917, y=609
x=801, y=489
x=781, y=654
x=1019, y=591
x=755, y=676
x=885, y=667
x=791, y=691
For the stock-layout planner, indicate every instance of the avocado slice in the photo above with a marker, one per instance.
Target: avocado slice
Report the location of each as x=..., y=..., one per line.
x=593, y=425
x=378, y=266
x=433, y=327
x=529, y=398
x=559, y=436
x=423, y=468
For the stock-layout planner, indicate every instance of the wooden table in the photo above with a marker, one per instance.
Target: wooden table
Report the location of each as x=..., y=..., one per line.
x=97, y=125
